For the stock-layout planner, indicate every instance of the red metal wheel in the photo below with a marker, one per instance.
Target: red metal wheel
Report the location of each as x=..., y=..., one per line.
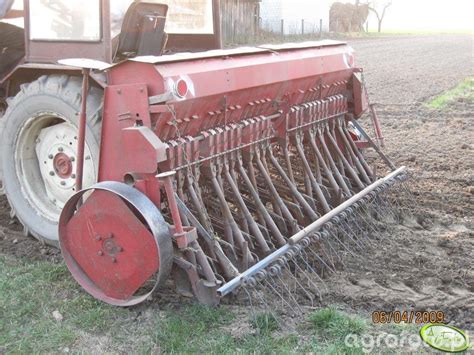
x=115, y=242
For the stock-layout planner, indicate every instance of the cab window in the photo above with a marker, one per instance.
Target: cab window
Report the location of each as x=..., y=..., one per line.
x=189, y=16
x=65, y=20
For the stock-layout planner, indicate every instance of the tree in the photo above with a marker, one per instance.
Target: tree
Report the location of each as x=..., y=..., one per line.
x=379, y=8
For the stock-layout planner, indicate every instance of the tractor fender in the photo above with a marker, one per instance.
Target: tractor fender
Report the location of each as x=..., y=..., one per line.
x=29, y=72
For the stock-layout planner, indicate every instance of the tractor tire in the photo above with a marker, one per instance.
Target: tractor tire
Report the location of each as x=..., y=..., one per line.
x=38, y=150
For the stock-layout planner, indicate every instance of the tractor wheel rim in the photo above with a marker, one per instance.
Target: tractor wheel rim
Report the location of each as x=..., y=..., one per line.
x=45, y=161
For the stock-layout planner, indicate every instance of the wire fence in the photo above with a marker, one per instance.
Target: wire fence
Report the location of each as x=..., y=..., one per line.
x=252, y=21
x=292, y=27
x=276, y=31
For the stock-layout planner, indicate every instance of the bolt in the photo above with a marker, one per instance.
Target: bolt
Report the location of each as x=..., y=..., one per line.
x=88, y=157
x=98, y=237
x=73, y=176
x=50, y=156
x=100, y=253
x=114, y=260
x=63, y=183
x=119, y=91
x=60, y=149
x=51, y=173
x=111, y=235
x=73, y=159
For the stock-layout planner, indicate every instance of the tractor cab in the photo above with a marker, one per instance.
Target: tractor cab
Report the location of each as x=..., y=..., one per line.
x=109, y=30
x=113, y=30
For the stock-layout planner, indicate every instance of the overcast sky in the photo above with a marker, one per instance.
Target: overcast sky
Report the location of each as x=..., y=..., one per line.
x=427, y=15
x=417, y=14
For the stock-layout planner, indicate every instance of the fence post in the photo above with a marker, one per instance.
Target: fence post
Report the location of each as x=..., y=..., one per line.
x=234, y=31
x=320, y=28
x=302, y=26
x=282, y=27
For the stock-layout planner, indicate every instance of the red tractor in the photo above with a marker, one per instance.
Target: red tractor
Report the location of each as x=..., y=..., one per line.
x=207, y=167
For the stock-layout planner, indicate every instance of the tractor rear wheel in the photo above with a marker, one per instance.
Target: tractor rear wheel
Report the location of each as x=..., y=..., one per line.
x=38, y=150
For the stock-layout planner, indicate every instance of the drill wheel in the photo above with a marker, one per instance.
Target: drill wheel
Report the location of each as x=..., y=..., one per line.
x=115, y=242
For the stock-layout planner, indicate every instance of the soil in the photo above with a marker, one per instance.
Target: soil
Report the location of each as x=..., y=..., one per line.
x=427, y=262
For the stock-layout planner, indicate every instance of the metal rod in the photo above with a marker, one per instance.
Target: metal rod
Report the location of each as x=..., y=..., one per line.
x=376, y=123
x=375, y=146
x=166, y=180
x=81, y=143
x=237, y=281
x=229, y=269
x=309, y=174
x=324, y=219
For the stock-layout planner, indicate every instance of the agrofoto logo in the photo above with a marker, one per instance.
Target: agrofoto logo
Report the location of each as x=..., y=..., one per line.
x=438, y=336
x=445, y=337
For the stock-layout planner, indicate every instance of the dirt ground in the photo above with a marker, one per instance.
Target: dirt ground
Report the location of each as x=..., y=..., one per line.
x=427, y=263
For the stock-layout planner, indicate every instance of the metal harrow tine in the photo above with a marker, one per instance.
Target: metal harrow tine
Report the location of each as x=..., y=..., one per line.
x=351, y=221
x=267, y=309
x=292, y=272
x=348, y=231
x=321, y=260
x=292, y=293
x=325, y=237
x=271, y=287
x=308, y=278
x=336, y=231
x=285, y=265
x=311, y=267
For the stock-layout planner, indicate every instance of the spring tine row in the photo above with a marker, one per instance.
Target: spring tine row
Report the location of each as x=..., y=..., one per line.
x=249, y=187
x=295, y=281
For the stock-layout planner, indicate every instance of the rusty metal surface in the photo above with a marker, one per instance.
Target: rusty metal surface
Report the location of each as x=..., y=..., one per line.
x=224, y=53
x=112, y=250
x=224, y=90
x=249, y=147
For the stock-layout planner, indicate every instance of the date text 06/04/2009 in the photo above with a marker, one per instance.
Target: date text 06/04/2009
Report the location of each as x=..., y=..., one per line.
x=417, y=317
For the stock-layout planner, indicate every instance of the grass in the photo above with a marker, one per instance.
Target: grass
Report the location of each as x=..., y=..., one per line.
x=416, y=32
x=464, y=91
x=332, y=327
x=31, y=291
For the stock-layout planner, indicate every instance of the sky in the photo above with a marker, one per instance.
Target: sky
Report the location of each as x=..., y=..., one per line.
x=429, y=15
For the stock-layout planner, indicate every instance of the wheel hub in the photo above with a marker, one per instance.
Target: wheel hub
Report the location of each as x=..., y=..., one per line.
x=115, y=242
x=62, y=165
x=56, y=152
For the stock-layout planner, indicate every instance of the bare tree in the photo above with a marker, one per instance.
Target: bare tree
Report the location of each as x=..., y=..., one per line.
x=379, y=8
